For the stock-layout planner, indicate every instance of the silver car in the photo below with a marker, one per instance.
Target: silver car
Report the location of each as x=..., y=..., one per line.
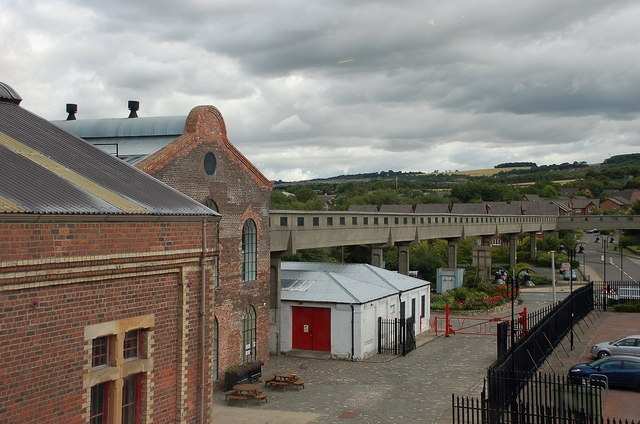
x=628, y=345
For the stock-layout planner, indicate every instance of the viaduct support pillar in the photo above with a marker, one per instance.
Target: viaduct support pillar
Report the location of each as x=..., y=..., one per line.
x=453, y=253
x=403, y=259
x=377, y=256
x=533, y=246
x=275, y=309
x=513, y=250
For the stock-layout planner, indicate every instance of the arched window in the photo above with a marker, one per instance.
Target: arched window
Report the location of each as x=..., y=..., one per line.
x=211, y=204
x=249, y=250
x=215, y=349
x=249, y=334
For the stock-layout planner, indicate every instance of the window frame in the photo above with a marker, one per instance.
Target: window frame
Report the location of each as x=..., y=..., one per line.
x=101, y=416
x=136, y=348
x=107, y=351
x=249, y=334
x=137, y=398
x=249, y=250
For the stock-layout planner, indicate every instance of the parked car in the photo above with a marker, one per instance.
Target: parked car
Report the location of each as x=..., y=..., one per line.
x=593, y=231
x=628, y=345
x=569, y=274
x=564, y=266
x=619, y=370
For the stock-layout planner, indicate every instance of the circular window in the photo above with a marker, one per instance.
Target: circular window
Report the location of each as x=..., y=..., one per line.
x=209, y=163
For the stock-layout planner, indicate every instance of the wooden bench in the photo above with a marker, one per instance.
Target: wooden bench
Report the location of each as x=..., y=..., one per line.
x=298, y=384
x=282, y=384
x=232, y=395
x=261, y=396
x=268, y=381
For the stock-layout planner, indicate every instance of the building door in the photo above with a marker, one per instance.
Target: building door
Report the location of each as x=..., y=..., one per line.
x=311, y=328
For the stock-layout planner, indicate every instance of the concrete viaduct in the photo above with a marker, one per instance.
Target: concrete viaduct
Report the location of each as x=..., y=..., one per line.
x=291, y=231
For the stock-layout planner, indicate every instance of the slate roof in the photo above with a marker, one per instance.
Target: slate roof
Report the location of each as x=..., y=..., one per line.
x=45, y=170
x=432, y=208
x=342, y=283
x=582, y=202
x=363, y=208
x=469, y=208
x=535, y=208
x=504, y=208
x=396, y=208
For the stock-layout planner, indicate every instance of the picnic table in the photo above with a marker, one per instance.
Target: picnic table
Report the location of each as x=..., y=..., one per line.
x=242, y=392
x=284, y=379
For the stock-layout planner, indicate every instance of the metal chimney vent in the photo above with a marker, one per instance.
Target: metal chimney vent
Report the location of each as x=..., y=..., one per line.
x=72, y=109
x=134, y=105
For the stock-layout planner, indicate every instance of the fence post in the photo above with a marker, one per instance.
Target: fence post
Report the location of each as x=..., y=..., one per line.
x=502, y=338
x=446, y=323
x=379, y=335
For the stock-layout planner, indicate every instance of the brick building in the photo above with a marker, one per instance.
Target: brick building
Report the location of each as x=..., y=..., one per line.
x=193, y=154
x=106, y=276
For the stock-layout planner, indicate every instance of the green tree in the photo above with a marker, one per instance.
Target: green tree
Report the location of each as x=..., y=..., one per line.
x=550, y=192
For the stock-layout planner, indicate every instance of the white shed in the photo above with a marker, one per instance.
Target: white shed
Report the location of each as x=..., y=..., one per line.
x=334, y=307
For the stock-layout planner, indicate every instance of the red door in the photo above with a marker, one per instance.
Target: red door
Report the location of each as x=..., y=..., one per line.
x=311, y=328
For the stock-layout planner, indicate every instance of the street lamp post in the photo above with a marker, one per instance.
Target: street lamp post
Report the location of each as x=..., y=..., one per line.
x=515, y=284
x=584, y=258
x=621, y=268
x=605, y=247
x=553, y=276
x=572, y=257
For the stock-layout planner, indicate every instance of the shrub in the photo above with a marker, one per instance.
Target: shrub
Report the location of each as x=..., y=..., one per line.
x=626, y=307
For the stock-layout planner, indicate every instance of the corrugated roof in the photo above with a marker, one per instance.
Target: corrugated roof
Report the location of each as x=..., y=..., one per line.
x=44, y=169
x=342, y=283
x=125, y=127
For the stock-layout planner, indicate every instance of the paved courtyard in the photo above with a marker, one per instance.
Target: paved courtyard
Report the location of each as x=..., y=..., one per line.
x=416, y=388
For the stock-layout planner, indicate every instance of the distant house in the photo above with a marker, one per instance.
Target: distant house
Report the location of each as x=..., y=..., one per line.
x=327, y=200
x=532, y=198
x=396, y=208
x=619, y=199
x=431, y=208
x=504, y=208
x=470, y=208
x=539, y=208
x=613, y=203
x=582, y=206
x=363, y=208
x=334, y=307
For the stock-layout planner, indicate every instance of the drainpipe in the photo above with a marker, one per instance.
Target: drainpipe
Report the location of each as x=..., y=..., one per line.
x=352, y=332
x=203, y=304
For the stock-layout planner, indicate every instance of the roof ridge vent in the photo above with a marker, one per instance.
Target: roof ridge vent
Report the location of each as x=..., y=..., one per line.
x=72, y=109
x=134, y=105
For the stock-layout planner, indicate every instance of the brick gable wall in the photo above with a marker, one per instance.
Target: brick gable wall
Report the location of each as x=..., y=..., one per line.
x=240, y=192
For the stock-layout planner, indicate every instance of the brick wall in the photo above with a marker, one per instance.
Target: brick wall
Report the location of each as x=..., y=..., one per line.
x=240, y=192
x=58, y=278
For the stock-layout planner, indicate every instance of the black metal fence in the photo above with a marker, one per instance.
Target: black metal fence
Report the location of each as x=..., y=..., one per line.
x=469, y=410
x=517, y=393
x=539, y=341
x=549, y=393
x=396, y=336
x=610, y=293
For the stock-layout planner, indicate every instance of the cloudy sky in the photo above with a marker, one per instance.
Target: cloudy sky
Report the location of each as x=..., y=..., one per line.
x=317, y=88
